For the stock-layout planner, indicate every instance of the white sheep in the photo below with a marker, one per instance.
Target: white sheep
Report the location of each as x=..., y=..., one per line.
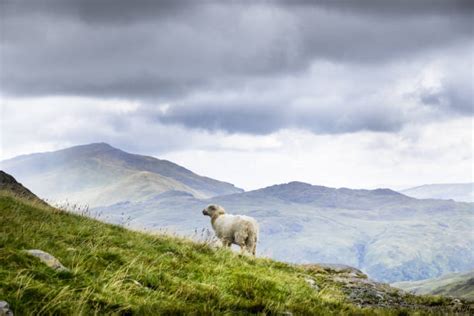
x=233, y=229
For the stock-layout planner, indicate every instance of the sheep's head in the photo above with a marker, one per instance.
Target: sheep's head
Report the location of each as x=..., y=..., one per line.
x=213, y=210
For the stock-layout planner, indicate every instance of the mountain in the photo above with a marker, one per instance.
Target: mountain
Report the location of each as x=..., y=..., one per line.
x=388, y=235
x=9, y=184
x=459, y=285
x=100, y=174
x=109, y=270
x=304, y=193
x=461, y=192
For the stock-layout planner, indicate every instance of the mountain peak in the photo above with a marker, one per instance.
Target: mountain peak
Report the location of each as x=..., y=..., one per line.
x=298, y=184
x=85, y=168
x=301, y=192
x=91, y=147
x=99, y=145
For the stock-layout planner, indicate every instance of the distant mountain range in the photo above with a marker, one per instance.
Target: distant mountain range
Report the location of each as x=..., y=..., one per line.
x=454, y=284
x=388, y=235
x=461, y=192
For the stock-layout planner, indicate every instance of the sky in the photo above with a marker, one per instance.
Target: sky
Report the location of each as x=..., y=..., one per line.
x=358, y=94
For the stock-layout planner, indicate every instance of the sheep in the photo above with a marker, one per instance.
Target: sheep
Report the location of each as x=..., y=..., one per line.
x=233, y=229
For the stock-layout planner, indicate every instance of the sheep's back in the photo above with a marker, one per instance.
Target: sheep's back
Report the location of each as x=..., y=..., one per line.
x=227, y=225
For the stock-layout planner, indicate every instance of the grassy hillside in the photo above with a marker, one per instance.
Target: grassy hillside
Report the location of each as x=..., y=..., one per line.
x=117, y=271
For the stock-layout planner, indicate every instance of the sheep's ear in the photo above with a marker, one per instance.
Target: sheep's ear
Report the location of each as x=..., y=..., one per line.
x=220, y=211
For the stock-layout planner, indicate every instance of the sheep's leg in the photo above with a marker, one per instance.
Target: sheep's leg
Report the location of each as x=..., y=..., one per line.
x=253, y=248
x=226, y=243
x=240, y=240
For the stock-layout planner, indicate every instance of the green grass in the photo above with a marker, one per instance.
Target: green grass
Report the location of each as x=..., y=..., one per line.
x=117, y=271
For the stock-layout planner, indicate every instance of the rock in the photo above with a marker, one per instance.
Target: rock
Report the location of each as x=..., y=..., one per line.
x=342, y=268
x=312, y=283
x=5, y=309
x=346, y=271
x=8, y=183
x=48, y=259
x=457, y=304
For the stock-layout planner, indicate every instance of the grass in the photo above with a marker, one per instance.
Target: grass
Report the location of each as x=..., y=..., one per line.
x=121, y=272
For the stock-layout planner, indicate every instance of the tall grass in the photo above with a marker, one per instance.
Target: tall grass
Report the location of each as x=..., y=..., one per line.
x=114, y=270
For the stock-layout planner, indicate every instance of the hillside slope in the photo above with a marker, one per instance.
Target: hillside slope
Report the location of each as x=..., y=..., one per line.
x=462, y=192
x=117, y=271
x=455, y=284
x=9, y=183
x=80, y=173
x=388, y=235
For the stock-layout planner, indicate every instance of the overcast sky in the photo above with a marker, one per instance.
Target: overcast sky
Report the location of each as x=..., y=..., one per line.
x=359, y=94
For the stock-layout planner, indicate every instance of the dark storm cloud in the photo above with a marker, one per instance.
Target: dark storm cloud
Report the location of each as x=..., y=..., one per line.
x=101, y=12
x=165, y=51
x=261, y=120
x=267, y=115
x=458, y=98
x=390, y=8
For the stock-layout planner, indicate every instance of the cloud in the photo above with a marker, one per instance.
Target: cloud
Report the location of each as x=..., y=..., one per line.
x=453, y=95
x=333, y=98
x=431, y=152
x=213, y=68
x=391, y=8
x=438, y=152
x=339, y=93
x=258, y=117
x=159, y=50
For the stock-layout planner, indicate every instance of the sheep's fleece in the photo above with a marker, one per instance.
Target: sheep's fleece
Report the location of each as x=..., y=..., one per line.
x=233, y=229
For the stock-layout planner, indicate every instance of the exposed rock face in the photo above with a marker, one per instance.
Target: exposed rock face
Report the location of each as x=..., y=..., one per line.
x=48, y=259
x=312, y=283
x=8, y=183
x=363, y=292
x=5, y=309
x=343, y=269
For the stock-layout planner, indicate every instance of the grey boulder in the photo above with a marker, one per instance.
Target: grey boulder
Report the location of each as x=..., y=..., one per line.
x=47, y=259
x=5, y=309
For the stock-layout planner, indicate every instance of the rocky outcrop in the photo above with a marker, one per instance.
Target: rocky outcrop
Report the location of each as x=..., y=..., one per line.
x=363, y=292
x=8, y=183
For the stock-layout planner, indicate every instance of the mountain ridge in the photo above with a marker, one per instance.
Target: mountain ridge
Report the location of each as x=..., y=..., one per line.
x=381, y=232
x=459, y=285
x=305, y=193
x=461, y=192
